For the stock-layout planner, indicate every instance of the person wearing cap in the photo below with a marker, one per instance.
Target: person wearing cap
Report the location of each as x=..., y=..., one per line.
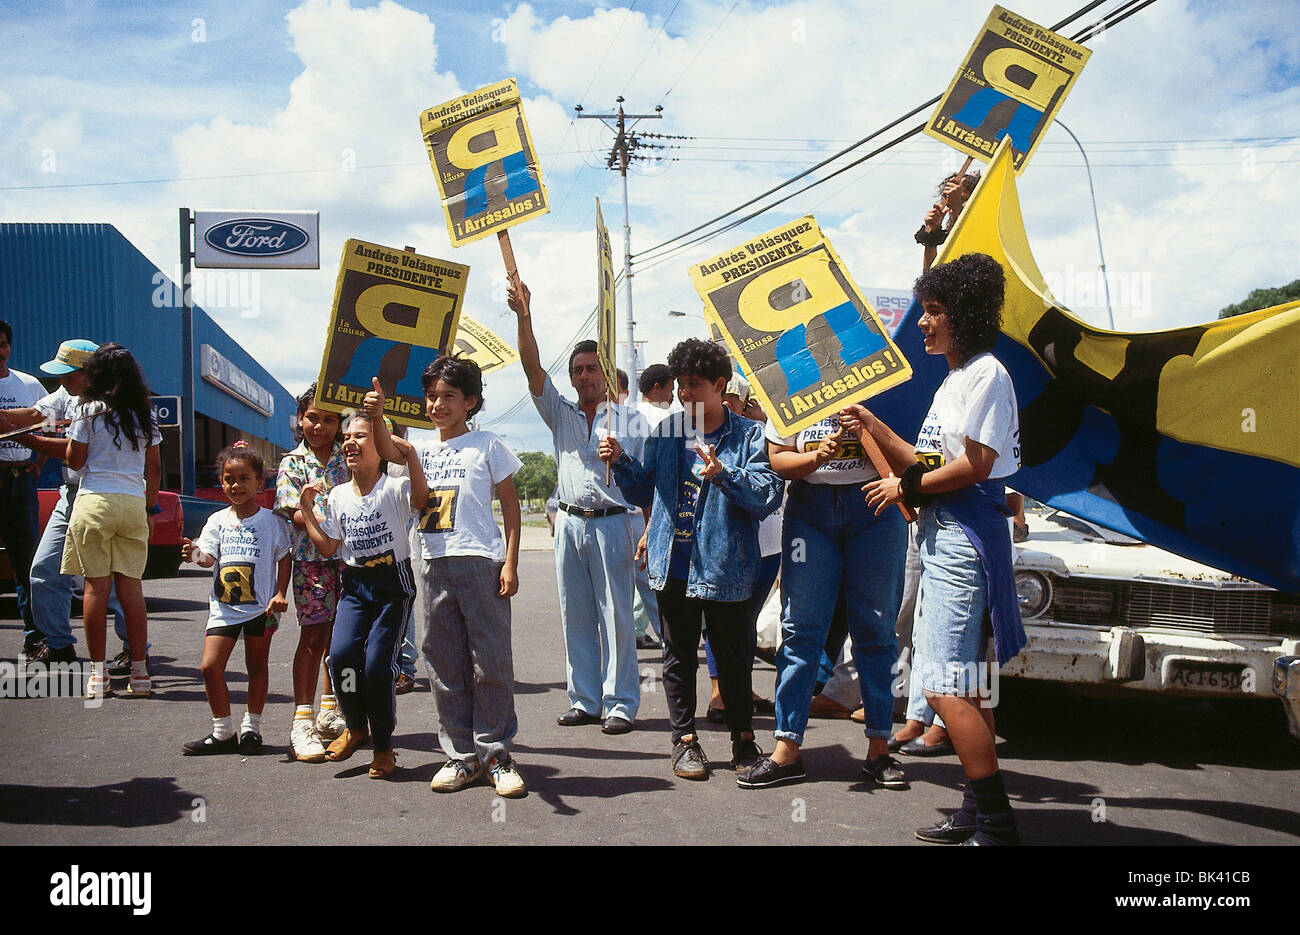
x=51, y=591
x=19, y=526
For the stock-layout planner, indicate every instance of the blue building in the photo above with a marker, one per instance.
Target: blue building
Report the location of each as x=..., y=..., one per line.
x=62, y=281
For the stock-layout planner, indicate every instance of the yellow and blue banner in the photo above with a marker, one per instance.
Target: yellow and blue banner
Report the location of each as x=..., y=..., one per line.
x=606, y=340
x=1188, y=438
x=485, y=162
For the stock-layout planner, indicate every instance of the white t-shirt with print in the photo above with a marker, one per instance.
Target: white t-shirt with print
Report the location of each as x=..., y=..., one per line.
x=462, y=474
x=978, y=401
x=112, y=466
x=246, y=552
x=373, y=528
x=18, y=391
x=849, y=466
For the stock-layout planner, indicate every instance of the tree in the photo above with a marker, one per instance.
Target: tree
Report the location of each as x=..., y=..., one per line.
x=536, y=479
x=1264, y=298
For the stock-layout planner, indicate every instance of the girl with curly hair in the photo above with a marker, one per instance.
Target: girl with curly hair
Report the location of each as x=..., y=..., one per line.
x=968, y=444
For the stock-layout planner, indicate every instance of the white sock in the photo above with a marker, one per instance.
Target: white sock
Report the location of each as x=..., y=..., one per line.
x=328, y=703
x=138, y=670
x=97, y=670
x=223, y=728
x=303, y=712
x=252, y=722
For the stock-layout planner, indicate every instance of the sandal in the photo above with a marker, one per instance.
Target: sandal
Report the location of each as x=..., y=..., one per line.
x=346, y=744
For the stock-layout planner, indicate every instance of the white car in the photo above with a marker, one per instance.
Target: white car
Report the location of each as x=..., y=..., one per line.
x=1102, y=609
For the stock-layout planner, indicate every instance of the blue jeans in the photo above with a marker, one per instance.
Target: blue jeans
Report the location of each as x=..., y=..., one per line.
x=954, y=592
x=19, y=531
x=593, y=568
x=645, y=601
x=52, y=591
x=831, y=540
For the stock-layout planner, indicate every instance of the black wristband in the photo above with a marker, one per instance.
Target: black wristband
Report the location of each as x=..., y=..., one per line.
x=933, y=238
x=909, y=486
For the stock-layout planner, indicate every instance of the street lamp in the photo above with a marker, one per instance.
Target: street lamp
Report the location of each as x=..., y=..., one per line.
x=1096, y=220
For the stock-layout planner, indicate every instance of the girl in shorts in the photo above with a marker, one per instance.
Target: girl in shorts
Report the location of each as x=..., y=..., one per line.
x=113, y=441
x=316, y=580
x=968, y=444
x=249, y=545
x=369, y=518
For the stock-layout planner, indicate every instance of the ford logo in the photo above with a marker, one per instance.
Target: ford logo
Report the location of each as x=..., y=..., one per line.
x=256, y=237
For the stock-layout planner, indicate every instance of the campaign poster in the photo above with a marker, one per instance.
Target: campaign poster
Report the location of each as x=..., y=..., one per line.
x=605, y=340
x=1011, y=84
x=485, y=162
x=478, y=343
x=794, y=320
x=394, y=313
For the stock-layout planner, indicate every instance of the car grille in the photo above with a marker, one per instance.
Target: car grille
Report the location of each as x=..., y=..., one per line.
x=1261, y=612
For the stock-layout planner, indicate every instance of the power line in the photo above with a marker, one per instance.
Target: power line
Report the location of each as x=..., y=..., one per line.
x=649, y=48
x=698, y=52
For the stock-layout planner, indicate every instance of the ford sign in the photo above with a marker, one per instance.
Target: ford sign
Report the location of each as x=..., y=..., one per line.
x=247, y=239
x=256, y=237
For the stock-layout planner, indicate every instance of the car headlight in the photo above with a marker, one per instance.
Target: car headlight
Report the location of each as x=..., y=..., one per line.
x=1034, y=593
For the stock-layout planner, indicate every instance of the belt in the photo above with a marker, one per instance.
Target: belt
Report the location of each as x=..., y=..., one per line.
x=590, y=514
x=12, y=471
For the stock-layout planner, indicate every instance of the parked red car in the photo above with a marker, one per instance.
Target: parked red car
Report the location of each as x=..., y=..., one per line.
x=164, y=543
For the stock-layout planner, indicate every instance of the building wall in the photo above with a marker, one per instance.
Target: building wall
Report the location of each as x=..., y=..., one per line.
x=62, y=281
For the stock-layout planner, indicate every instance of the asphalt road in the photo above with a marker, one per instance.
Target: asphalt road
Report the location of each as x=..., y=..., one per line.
x=1080, y=771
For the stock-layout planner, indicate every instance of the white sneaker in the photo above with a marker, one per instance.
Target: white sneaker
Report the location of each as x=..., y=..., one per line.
x=306, y=746
x=140, y=686
x=506, y=779
x=97, y=687
x=457, y=774
x=330, y=724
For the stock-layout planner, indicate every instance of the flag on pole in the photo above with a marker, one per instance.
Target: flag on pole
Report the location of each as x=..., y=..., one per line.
x=1188, y=439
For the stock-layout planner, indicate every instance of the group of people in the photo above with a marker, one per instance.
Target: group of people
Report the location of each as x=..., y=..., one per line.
x=683, y=501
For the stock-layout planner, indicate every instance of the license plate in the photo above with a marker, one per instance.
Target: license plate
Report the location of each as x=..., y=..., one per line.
x=1208, y=676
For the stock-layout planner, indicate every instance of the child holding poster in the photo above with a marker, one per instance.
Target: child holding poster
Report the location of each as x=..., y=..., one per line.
x=368, y=518
x=249, y=546
x=470, y=574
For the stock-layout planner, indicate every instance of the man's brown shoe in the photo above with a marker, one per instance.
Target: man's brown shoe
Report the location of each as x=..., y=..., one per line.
x=404, y=685
x=346, y=745
x=825, y=707
x=384, y=764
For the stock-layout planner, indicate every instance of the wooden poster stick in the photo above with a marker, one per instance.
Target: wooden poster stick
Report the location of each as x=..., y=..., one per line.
x=882, y=467
x=608, y=401
x=507, y=254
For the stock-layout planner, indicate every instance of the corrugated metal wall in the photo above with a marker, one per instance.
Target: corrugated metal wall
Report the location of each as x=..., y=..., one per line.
x=61, y=281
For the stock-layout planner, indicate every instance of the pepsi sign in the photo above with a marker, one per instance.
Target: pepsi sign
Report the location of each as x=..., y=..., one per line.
x=251, y=240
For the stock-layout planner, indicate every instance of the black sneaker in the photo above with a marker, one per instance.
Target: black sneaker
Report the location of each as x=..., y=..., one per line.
x=250, y=743
x=884, y=771
x=744, y=754
x=210, y=745
x=646, y=641
x=689, y=761
x=952, y=830
x=50, y=656
x=32, y=646
x=119, y=667
x=766, y=773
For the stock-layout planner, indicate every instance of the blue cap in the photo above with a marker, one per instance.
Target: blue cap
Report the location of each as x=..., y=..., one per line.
x=72, y=356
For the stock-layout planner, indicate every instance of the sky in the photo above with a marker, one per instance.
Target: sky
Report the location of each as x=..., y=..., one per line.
x=1189, y=113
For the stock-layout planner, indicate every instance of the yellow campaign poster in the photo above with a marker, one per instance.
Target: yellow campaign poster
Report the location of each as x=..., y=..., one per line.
x=605, y=340
x=1011, y=84
x=485, y=162
x=795, y=321
x=394, y=312
x=481, y=345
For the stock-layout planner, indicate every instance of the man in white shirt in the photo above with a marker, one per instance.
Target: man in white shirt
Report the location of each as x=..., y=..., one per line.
x=656, y=386
x=19, y=525
x=593, y=533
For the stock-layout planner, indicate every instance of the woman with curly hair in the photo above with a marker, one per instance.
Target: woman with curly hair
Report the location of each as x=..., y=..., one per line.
x=113, y=441
x=969, y=443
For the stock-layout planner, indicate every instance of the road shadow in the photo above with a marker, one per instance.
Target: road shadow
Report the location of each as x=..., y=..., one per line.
x=553, y=787
x=136, y=803
x=537, y=688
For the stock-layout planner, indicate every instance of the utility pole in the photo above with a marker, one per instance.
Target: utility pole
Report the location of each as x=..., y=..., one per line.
x=621, y=153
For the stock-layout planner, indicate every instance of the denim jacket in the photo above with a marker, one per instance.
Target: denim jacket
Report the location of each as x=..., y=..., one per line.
x=725, y=556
